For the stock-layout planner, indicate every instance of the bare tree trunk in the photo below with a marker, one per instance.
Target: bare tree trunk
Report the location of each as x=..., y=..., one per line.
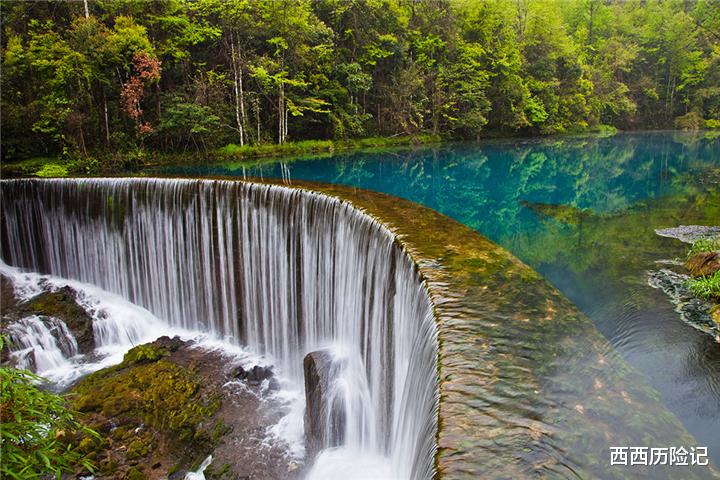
x=87, y=10
x=107, y=123
x=237, y=91
x=257, y=118
x=243, y=118
x=281, y=113
x=285, y=122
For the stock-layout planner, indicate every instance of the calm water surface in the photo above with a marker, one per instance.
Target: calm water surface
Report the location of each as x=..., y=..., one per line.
x=581, y=211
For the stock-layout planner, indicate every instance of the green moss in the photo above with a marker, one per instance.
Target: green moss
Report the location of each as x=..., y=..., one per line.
x=52, y=170
x=139, y=447
x=108, y=466
x=135, y=474
x=148, y=389
x=213, y=474
x=161, y=394
x=144, y=354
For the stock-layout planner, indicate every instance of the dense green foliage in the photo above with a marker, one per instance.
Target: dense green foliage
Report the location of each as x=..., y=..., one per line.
x=35, y=427
x=126, y=77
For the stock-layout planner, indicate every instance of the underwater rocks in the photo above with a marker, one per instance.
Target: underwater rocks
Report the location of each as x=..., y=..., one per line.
x=697, y=312
x=689, y=233
x=166, y=407
x=567, y=214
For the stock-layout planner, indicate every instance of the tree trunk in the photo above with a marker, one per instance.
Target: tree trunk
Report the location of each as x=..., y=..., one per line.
x=237, y=87
x=87, y=10
x=257, y=118
x=243, y=118
x=281, y=113
x=107, y=123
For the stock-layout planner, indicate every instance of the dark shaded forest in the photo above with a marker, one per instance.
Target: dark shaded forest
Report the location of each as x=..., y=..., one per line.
x=117, y=78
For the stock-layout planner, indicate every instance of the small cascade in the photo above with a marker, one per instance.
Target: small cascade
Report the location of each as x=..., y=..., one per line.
x=41, y=344
x=48, y=347
x=282, y=271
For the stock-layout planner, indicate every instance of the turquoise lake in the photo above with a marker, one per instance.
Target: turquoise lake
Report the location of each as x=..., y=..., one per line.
x=583, y=212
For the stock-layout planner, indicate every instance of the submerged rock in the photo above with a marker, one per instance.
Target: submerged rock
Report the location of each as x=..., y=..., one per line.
x=324, y=414
x=690, y=233
x=697, y=312
x=567, y=214
x=703, y=264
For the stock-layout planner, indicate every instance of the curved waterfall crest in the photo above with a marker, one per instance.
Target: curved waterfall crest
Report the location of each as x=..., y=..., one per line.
x=285, y=271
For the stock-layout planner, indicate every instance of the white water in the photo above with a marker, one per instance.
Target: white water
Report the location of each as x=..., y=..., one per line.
x=43, y=345
x=118, y=325
x=280, y=270
x=199, y=474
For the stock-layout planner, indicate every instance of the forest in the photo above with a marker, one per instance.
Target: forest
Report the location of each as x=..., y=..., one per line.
x=115, y=81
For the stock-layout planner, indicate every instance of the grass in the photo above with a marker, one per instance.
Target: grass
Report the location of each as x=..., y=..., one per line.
x=707, y=287
x=233, y=151
x=704, y=245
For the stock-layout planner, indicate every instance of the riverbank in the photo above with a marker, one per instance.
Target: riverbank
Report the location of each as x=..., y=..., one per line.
x=251, y=155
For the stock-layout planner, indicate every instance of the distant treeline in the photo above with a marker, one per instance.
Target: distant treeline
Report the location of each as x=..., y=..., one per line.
x=83, y=79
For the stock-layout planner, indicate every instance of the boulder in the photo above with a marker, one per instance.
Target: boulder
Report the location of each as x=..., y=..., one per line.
x=170, y=344
x=703, y=264
x=253, y=376
x=62, y=304
x=324, y=413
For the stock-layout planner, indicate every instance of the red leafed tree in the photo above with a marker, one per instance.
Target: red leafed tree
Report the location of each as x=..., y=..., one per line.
x=146, y=69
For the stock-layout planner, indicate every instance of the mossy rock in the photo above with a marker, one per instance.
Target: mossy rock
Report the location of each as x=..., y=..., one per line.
x=144, y=354
x=135, y=474
x=149, y=390
x=139, y=447
x=62, y=304
x=715, y=315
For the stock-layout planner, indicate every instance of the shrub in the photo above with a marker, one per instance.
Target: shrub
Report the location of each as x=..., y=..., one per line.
x=34, y=425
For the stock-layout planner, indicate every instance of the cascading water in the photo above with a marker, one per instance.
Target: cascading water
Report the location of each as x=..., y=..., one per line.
x=42, y=344
x=283, y=271
x=48, y=346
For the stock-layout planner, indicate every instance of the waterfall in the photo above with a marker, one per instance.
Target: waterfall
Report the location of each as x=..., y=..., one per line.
x=283, y=271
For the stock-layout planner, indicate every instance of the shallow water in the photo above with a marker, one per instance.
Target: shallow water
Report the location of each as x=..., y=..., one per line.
x=581, y=211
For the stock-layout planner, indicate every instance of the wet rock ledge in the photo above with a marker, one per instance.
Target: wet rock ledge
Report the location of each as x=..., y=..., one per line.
x=170, y=404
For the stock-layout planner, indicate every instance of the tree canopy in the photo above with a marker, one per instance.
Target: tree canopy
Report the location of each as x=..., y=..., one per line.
x=179, y=75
